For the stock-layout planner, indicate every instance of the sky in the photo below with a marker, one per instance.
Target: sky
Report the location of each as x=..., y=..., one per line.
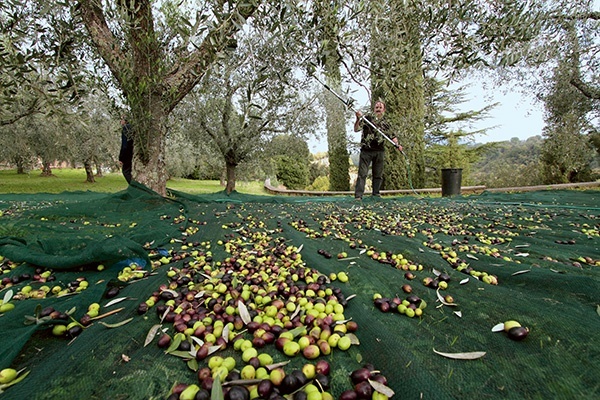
x=517, y=115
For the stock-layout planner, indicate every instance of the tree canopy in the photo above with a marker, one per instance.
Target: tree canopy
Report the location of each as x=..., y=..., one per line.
x=152, y=55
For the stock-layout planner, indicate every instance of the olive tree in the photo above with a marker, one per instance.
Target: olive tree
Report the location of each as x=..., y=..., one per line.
x=258, y=92
x=157, y=55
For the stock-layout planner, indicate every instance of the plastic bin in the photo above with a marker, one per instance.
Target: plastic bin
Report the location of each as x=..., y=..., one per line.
x=451, y=181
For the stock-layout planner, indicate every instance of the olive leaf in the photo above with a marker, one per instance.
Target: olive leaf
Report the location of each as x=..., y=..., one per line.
x=461, y=356
x=343, y=321
x=464, y=281
x=299, y=330
x=192, y=364
x=213, y=349
x=381, y=388
x=443, y=301
x=225, y=333
x=524, y=271
x=206, y=276
x=152, y=334
x=244, y=314
x=19, y=378
x=242, y=382
x=7, y=296
x=353, y=338
x=115, y=301
x=217, y=390
x=198, y=341
x=295, y=313
x=186, y=355
x=271, y=367
x=174, y=344
x=471, y=256
x=118, y=324
x=498, y=327
x=162, y=318
x=598, y=309
x=106, y=314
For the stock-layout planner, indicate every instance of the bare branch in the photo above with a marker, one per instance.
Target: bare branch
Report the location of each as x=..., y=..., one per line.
x=184, y=76
x=96, y=24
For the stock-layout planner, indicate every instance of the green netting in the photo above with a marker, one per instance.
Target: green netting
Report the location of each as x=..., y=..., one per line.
x=541, y=247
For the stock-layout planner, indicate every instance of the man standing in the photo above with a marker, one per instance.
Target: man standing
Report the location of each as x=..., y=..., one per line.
x=126, y=153
x=372, y=150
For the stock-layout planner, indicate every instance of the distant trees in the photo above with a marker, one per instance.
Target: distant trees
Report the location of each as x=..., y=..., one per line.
x=86, y=134
x=241, y=104
x=289, y=158
x=508, y=164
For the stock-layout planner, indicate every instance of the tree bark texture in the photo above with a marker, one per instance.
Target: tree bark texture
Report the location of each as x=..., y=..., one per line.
x=152, y=88
x=230, y=177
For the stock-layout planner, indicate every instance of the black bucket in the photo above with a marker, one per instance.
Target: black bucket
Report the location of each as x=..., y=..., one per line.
x=451, y=180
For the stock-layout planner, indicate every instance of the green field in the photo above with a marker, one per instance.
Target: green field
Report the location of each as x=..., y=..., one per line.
x=73, y=180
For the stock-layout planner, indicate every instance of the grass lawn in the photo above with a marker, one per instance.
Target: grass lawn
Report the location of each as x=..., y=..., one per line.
x=72, y=180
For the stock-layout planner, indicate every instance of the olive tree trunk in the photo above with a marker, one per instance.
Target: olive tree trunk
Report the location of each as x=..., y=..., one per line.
x=152, y=83
x=89, y=172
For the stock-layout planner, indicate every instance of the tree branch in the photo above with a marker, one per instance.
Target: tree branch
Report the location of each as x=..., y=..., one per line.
x=587, y=90
x=32, y=108
x=103, y=38
x=184, y=76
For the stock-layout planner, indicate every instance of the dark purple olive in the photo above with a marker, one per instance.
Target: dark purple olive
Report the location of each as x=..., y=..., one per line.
x=518, y=333
x=142, y=308
x=363, y=390
x=74, y=331
x=164, y=341
x=112, y=292
x=237, y=393
x=265, y=388
x=300, y=395
x=360, y=375
x=202, y=394
x=46, y=311
x=348, y=395
x=323, y=381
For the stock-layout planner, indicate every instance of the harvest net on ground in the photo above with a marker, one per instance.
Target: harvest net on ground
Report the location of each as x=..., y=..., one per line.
x=282, y=262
